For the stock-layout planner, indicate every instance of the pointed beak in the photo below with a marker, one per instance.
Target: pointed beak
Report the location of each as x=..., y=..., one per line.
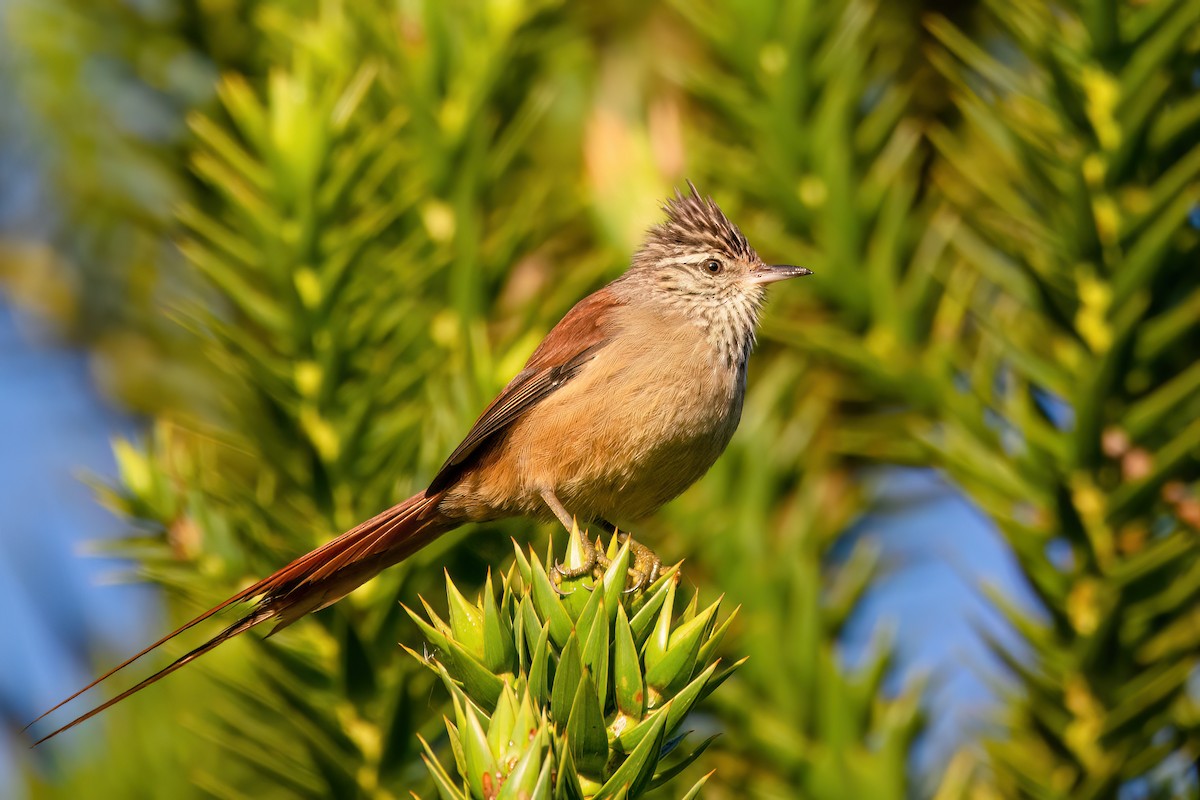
x=770, y=273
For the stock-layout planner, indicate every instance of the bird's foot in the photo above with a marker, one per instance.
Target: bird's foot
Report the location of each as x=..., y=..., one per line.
x=583, y=559
x=586, y=558
x=642, y=572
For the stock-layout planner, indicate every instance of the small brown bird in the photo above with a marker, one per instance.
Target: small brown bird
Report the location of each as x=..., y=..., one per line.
x=626, y=403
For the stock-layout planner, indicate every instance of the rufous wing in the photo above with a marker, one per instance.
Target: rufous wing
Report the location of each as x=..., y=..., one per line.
x=562, y=355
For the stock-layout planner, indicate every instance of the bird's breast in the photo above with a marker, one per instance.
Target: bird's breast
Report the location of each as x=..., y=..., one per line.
x=644, y=421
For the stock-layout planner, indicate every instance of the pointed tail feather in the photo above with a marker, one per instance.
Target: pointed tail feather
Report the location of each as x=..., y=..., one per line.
x=310, y=583
x=245, y=594
x=244, y=624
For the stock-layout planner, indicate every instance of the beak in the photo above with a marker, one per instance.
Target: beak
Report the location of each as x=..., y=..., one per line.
x=770, y=273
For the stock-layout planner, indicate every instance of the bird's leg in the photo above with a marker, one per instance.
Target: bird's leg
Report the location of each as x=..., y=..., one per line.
x=589, y=551
x=646, y=563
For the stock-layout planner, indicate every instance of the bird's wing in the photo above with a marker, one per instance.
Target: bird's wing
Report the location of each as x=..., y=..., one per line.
x=565, y=351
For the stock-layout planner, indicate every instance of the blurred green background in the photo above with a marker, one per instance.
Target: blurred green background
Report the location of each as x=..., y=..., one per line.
x=304, y=242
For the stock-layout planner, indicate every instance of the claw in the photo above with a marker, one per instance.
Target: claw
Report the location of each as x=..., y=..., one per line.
x=556, y=579
x=641, y=579
x=584, y=554
x=645, y=568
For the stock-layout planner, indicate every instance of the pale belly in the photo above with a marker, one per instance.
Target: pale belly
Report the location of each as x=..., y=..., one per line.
x=627, y=476
x=616, y=443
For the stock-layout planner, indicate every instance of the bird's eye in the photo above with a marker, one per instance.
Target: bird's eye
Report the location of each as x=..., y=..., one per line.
x=713, y=266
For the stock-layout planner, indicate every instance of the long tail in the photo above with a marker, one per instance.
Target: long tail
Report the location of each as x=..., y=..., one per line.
x=310, y=583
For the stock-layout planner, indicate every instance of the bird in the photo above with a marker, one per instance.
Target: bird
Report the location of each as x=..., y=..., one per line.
x=627, y=402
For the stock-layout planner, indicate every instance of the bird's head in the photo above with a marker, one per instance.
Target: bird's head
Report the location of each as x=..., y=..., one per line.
x=699, y=262
x=698, y=252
